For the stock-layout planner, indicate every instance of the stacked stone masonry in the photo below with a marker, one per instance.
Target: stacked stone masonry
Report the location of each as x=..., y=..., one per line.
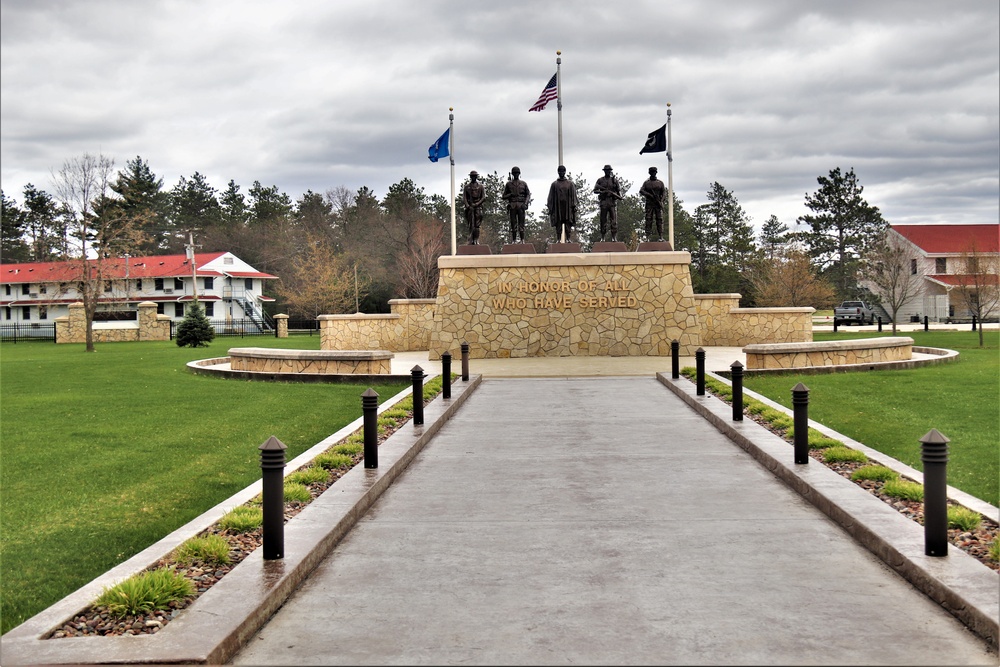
x=148, y=326
x=831, y=353
x=268, y=360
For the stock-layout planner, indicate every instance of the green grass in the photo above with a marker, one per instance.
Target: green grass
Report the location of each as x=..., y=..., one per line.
x=963, y=518
x=242, y=519
x=104, y=453
x=875, y=473
x=891, y=410
x=904, y=489
x=144, y=592
x=208, y=549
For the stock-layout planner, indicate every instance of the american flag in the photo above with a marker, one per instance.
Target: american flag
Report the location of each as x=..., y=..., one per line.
x=550, y=93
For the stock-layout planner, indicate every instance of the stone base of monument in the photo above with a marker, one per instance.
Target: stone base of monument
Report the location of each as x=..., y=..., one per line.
x=478, y=249
x=564, y=247
x=609, y=246
x=518, y=249
x=654, y=246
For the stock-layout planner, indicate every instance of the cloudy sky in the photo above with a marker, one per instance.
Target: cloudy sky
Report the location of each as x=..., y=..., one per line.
x=766, y=95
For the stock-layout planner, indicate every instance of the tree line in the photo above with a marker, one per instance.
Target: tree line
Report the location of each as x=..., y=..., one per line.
x=344, y=250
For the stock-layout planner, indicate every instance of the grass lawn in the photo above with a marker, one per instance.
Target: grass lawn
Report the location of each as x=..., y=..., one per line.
x=891, y=410
x=103, y=454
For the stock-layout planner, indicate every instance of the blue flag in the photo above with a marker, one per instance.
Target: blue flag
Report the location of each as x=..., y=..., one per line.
x=439, y=148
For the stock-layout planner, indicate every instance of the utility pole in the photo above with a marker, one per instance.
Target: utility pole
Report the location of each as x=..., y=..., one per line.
x=194, y=269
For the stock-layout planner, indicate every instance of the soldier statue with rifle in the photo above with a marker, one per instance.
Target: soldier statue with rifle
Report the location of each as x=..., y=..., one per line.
x=518, y=198
x=608, y=193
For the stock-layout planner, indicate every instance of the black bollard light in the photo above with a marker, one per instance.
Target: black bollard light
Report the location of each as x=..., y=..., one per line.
x=934, y=454
x=699, y=365
x=800, y=421
x=737, y=376
x=446, y=375
x=465, y=362
x=925, y=323
x=835, y=325
x=369, y=408
x=417, y=376
x=973, y=322
x=272, y=465
x=880, y=323
x=675, y=359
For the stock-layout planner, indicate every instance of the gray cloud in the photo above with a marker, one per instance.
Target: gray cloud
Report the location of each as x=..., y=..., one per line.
x=767, y=96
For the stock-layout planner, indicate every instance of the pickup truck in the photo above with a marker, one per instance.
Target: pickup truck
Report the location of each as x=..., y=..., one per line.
x=858, y=312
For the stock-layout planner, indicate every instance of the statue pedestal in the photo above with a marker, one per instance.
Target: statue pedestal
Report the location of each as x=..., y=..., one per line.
x=564, y=247
x=609, y=246
x=478, y=249
x=518, y=249
x=654, y=246
x=566, y=304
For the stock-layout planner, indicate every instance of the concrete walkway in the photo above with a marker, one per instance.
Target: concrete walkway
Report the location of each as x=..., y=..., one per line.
x=600, y=521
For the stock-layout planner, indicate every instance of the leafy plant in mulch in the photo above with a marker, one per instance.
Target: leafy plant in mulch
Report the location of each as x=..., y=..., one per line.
x=981, y=541
x=145, y=592
x=238, y=529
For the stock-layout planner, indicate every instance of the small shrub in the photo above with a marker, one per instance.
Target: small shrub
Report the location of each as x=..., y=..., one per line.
x=903, y=489
x=243, y=519
x=963, y=518
x=209, y=549
x=405, y=404
x=995, y=550
x=395, y=413
x=841, y=454
x=357, y=437
x=296, y=493
x=145, y=592
x=875, y=473
x=194, y=330
x=332, y=460
x=348, y=448
x=311, y=475
x=823, y=442
x=754, y=407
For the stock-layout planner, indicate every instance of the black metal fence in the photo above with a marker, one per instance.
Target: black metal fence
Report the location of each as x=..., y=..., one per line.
x=304, y=324
x=21, y=331
x=235, y=328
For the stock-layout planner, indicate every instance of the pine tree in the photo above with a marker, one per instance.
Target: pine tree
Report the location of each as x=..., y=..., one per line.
x=194, y=330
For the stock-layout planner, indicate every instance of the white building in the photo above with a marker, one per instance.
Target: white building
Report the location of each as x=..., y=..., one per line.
x=940, y=254
x=228, y=288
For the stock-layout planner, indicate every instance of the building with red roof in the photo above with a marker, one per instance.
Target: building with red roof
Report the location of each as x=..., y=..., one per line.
x=941, y=257
x=228, y=288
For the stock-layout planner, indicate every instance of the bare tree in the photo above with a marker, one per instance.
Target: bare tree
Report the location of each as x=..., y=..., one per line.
x=418, y=270
x=888, y=269
x=99, y=228
x=789, y=280
x=320, y=282
x=979, y=286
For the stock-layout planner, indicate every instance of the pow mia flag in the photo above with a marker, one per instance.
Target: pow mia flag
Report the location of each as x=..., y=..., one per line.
x=656, y=142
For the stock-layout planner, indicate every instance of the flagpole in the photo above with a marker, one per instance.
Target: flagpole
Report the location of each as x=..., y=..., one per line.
x=559, y=103
x=670, y=182
x=451, y=157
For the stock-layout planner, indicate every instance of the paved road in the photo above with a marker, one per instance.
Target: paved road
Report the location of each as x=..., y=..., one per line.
x=600, y=521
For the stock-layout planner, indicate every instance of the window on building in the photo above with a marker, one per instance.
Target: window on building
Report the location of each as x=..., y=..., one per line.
x=248, y=284
x=209, y=282
x=178, y=310
x=941, y=265
x=25, y=288
x=178, y=283
x=138, y=284
x=160, y=309
x=913, y=267
x=209, y=309
x=227, y=260
x=107, y=286
x=972, y=265
x=25, y=313
x=158, y=284
x=6, y=289
x=6, y=312
x=43, y=312
x=42, y=289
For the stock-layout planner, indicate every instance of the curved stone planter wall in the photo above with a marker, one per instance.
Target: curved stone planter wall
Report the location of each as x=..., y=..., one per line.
x=269, y=360
x=794, y=356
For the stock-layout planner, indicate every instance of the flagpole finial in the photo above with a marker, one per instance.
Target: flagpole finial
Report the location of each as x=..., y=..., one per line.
x=453, y=108
x=668, y=104
x=558, y=53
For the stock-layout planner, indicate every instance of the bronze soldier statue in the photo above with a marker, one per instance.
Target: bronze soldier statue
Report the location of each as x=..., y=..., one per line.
x=518, y=196
x=608, y=194
x=654, y=193
x=562, y=204
x=473, y=197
